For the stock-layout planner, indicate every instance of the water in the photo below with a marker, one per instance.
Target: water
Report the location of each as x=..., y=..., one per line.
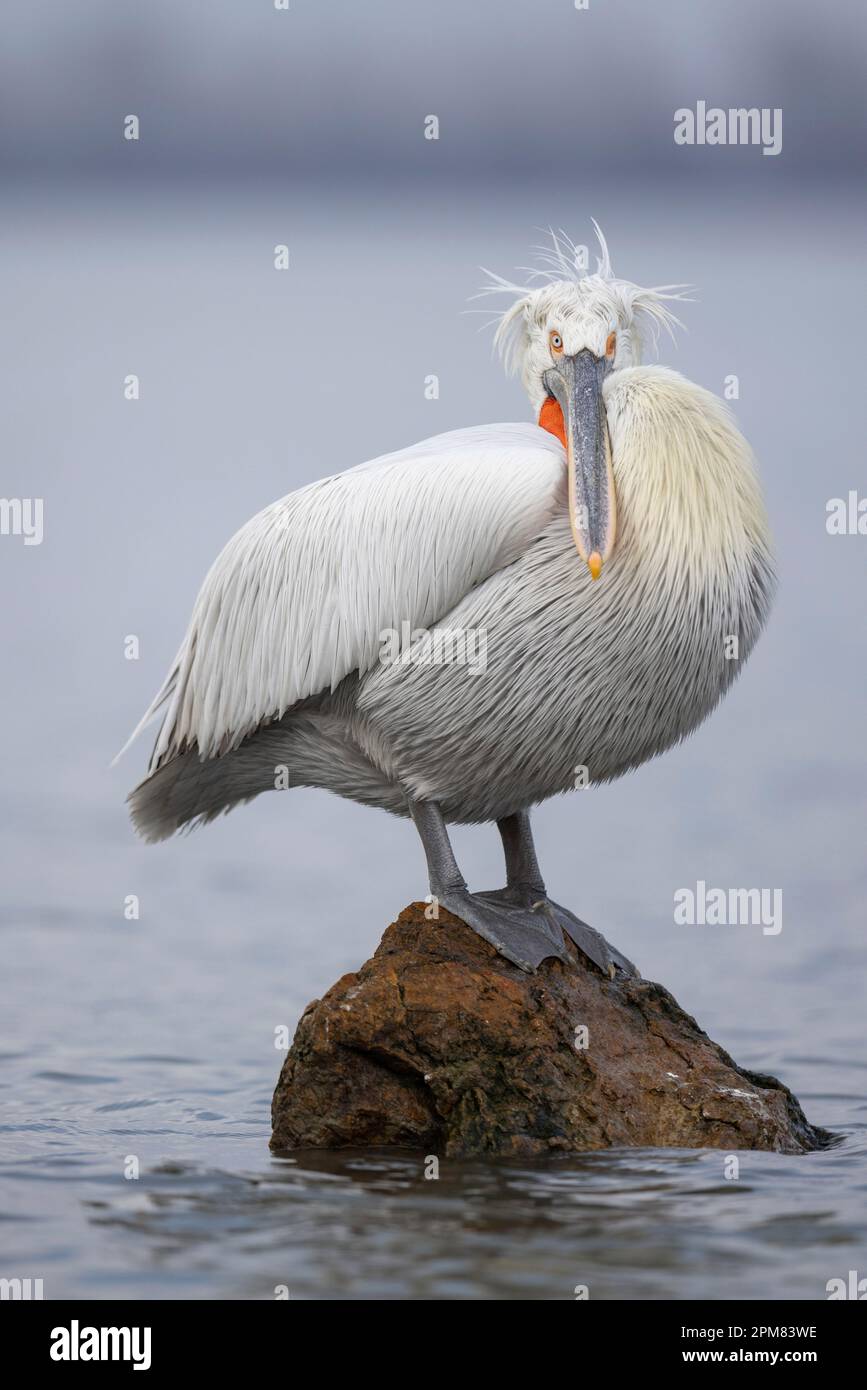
x=212, y=1216
x=152, y=1038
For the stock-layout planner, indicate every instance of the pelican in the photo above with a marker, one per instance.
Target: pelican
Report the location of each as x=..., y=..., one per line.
x=612, y=561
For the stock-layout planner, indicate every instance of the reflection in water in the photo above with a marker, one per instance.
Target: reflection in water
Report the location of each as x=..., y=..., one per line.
x=649, y=1224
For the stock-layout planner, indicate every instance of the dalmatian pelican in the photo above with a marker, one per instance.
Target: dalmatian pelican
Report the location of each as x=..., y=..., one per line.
x=612, y=556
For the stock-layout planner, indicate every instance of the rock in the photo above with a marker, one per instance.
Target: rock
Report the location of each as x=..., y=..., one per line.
x=439, y=1044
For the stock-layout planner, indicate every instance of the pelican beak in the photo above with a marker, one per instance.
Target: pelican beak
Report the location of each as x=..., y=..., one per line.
x=576, y=385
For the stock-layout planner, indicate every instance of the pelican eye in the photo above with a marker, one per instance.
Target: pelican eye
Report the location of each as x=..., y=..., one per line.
x=611, y=345
x=555, y=341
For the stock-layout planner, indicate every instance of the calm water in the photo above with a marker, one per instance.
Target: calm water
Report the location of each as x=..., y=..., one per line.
x=153, y=1039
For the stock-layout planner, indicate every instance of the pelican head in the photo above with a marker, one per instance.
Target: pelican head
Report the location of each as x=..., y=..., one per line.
x=566, y=333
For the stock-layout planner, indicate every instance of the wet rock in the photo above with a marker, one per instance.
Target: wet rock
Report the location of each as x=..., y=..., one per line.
x=439, y=1044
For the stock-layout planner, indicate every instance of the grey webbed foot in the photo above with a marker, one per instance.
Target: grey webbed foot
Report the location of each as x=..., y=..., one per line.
x=523, y=936
x=589, y=941
x=592, y=943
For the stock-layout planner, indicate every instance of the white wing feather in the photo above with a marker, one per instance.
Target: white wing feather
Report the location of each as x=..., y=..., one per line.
x=300, y=596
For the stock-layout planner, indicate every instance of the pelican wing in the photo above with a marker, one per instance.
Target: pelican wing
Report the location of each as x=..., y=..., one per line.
x=300, y=597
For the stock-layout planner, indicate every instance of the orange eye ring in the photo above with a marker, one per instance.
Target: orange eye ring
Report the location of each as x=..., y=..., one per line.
x=611, y=345
x=555, y=341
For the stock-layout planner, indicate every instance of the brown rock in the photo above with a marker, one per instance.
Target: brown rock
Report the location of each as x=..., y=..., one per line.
x=439, y=1044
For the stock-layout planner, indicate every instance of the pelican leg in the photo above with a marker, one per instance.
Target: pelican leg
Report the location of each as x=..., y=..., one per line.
x=523, y=936
x=523, y=876
x=525, y=887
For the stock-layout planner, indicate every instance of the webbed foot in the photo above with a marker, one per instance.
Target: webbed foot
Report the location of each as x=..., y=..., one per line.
x=525, y=937
x=590, y=942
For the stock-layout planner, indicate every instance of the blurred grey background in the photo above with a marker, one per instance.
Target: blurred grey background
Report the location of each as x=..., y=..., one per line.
x=523, y=88
x=155, y=257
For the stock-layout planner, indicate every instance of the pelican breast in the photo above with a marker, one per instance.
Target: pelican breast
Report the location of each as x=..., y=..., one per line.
x=590, y=675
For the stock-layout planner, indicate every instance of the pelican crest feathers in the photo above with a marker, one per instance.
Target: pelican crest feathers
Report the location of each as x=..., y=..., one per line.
x=559, y=284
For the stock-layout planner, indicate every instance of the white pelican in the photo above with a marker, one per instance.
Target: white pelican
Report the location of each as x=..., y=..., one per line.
x=609, y=556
